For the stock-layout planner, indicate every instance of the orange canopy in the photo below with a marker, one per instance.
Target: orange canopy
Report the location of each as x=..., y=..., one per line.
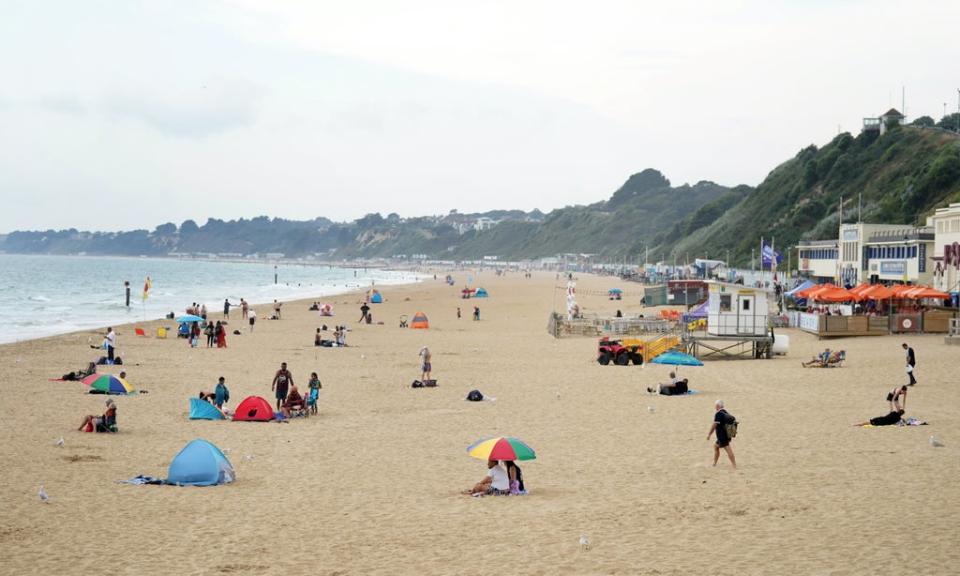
x=834, y=295
x=877, y=292
x=813, y=290
x=859, y=289
x=926, y=292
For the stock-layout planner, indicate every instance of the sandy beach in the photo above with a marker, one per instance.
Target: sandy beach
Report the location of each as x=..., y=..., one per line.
x=372, y=485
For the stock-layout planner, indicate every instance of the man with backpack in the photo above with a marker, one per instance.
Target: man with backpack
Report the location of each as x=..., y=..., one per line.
x=725, y=426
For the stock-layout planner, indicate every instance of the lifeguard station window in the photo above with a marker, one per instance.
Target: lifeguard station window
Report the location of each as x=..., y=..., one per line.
x=746, y=305
x=724, y=302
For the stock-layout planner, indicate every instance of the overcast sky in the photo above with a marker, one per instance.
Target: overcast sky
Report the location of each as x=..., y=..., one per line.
x=121, y=115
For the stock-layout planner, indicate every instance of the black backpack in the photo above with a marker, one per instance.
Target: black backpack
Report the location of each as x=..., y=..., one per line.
x=731, y=426
x=475, y=396
x=417, y=384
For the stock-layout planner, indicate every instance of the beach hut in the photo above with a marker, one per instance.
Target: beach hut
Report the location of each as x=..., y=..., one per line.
x=200, y=463
x=420, y=321
x=736, y=310
x=253, y=409
x=203, y=410
x=480, y=293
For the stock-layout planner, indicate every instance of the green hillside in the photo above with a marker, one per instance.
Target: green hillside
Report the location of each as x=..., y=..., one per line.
x=902, y=176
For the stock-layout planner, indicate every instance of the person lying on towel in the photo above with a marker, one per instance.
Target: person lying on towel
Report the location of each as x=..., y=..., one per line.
x=896, y=410
x=676, y=386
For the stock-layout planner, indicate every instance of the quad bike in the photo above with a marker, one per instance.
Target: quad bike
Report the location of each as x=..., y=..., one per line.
x=620, y=352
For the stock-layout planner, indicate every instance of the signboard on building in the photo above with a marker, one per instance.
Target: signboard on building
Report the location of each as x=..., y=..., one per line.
x=893, y=268
x=851, y=235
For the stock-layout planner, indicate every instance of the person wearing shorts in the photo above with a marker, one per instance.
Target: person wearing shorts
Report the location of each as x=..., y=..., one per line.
x=425, y=366
x=281, y=383
x=253, y=319
x=720, y=420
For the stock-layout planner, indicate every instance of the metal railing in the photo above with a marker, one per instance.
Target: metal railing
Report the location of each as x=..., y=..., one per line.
x=560, y=326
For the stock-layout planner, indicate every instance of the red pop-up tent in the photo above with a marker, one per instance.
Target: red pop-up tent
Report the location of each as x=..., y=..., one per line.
x=253, y=409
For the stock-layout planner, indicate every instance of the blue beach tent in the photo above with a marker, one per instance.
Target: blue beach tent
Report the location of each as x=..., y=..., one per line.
x=200, y=463
x=480, y=293
x=376, y=298
x=203, y=410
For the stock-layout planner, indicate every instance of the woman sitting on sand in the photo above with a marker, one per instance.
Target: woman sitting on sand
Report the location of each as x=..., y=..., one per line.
x=896, y=410
x=516, y=478
x=105, y=423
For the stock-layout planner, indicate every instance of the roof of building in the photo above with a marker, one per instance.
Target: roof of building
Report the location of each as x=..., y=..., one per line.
x=893, y=112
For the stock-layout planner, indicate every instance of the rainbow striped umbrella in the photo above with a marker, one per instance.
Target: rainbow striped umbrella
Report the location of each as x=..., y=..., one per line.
x=108, y=384
x=501, y=448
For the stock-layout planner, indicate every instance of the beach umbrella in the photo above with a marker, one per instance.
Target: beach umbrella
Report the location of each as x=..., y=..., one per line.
x=189, y=318
x=108, y=384
x=614, y=291
x=674, y=358
x=501, y=448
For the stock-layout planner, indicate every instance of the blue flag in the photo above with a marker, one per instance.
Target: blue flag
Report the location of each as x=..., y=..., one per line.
x=768, y=254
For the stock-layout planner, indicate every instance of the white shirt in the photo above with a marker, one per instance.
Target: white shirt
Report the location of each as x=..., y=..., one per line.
x=253, y=314
x=111, y=338
x=501, y=481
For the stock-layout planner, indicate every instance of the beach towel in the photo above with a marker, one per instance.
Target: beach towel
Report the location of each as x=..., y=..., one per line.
x=141, y=479
x=912, y=422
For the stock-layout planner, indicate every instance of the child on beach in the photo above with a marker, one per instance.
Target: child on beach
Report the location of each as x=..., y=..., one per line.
x=314, y=386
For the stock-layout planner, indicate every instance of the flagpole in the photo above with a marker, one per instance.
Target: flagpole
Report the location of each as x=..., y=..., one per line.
x=761, y=261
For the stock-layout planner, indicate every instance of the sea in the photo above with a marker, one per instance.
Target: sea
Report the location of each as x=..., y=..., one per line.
x=47, y=295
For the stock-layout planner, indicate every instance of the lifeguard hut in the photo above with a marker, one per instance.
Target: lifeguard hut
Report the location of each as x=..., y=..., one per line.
x=736, y=310
x=737, y=324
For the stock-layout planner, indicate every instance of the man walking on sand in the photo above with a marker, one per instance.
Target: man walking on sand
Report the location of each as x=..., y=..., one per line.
x=720, y=421
x=911, y=364
x=281, y=383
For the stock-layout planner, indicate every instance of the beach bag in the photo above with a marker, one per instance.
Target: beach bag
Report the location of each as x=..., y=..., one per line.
x=430, y=383
x=475, y=396
x=731, y=426
x=417, y=384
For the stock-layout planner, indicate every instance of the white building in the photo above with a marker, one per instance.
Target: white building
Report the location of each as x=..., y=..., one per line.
x=946, y=248
x=900, y=255
x=484, y=223
x=818, y=260
x=736, y=310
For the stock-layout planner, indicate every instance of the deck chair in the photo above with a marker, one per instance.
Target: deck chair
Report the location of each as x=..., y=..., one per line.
x=403, y=320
